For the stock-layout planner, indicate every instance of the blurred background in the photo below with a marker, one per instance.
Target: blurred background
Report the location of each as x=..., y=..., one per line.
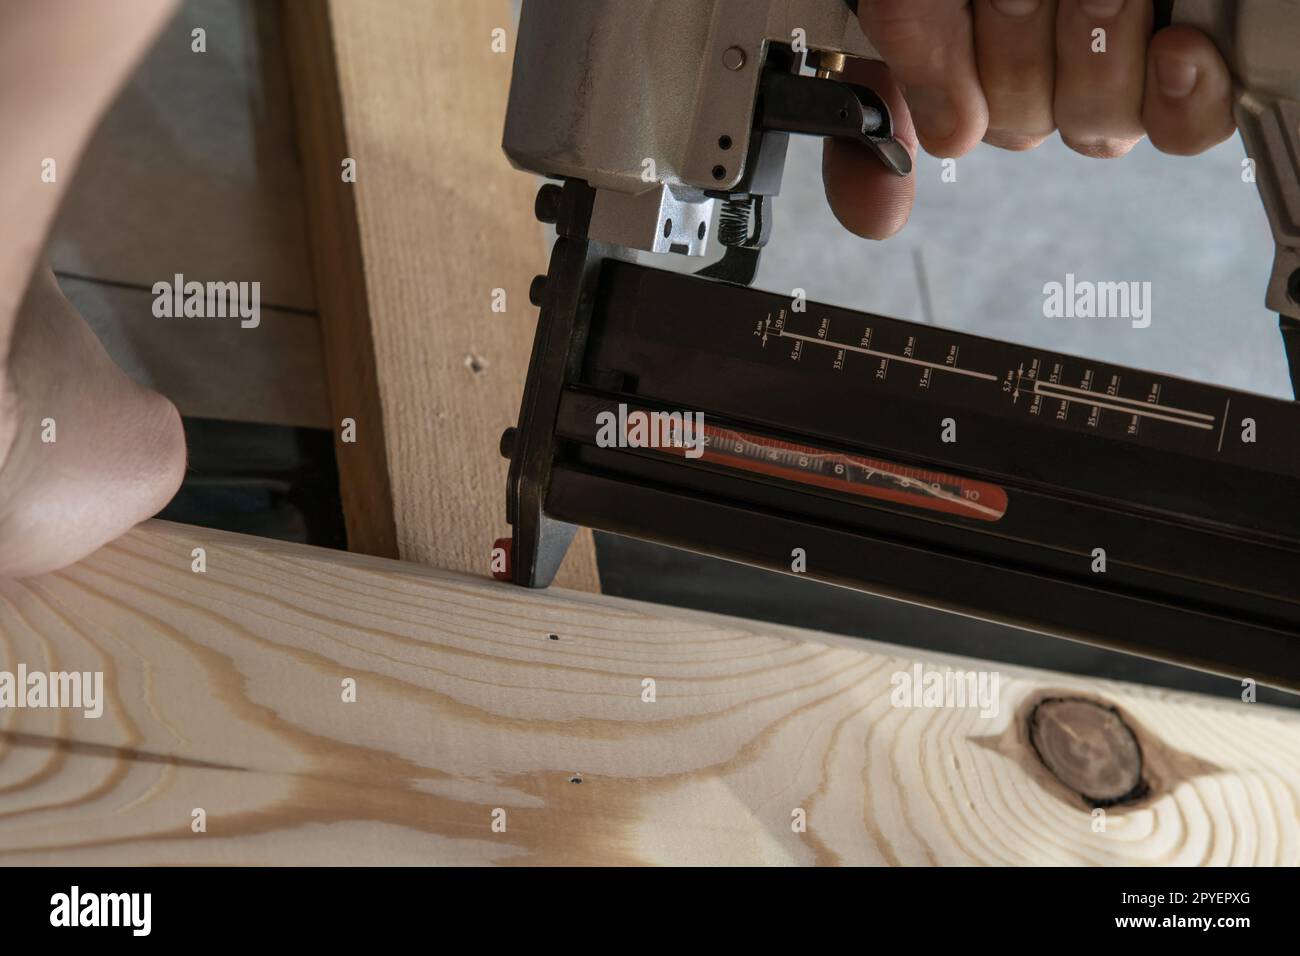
x=977, y=252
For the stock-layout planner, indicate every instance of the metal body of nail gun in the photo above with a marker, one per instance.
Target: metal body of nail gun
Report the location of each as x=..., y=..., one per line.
x=1124, y=508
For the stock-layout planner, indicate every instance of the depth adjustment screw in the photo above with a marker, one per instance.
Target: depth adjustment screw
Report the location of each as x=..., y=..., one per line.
x=547, y=205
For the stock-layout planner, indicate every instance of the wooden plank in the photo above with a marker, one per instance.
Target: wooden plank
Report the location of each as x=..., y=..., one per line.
x=224, y=692
x=194, y=169
x=272, y=374
x=408, y=259
x=347, y=335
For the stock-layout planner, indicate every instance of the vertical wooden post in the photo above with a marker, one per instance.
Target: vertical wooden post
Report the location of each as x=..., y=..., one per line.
x=422, y=264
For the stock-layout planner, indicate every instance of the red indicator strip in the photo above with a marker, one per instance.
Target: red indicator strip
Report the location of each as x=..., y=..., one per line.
x=851, y=474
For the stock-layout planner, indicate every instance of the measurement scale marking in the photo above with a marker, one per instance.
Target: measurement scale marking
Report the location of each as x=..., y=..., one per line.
x=1118, y=403
x=1138, y=409
x=889, y=356
x=1139, y=404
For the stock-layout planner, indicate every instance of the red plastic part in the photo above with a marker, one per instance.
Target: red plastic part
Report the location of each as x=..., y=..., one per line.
x=508, y=574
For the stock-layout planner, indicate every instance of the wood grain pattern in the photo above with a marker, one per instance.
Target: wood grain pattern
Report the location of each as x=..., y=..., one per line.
x=407, y=260
x=224, y=693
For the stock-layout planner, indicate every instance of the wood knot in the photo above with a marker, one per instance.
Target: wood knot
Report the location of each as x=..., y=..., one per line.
x=1089, y=748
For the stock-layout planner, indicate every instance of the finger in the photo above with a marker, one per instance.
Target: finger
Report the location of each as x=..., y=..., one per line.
x=118, y=453
x=1188, y=104
x=1101, y=50
x=929, y=46
x=866, y=198
x=1015, y=52
x=62, y=62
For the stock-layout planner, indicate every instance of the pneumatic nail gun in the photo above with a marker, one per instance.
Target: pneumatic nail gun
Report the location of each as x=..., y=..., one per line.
x=1125, y=508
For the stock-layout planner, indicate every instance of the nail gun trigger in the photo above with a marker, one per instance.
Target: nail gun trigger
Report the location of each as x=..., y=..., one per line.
x=818, y=106
x=892, y=154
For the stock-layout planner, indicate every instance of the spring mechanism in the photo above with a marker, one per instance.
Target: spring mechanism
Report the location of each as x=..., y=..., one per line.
x=733, y=221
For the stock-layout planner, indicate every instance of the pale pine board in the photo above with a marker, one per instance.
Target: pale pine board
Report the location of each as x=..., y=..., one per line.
x=407, y=261
x=225, y=694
